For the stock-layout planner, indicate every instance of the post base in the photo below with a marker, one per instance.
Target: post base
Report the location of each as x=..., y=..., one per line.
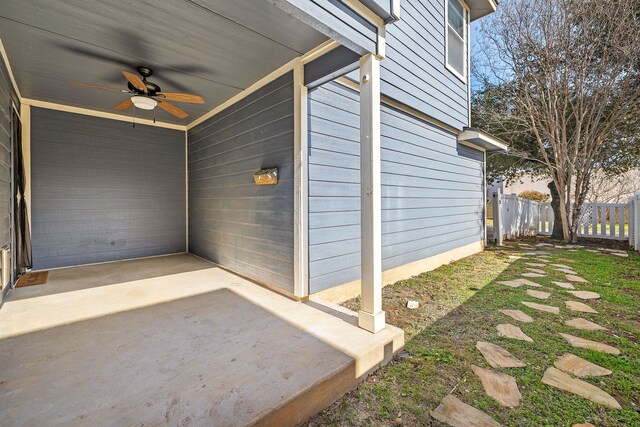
x=371, y=322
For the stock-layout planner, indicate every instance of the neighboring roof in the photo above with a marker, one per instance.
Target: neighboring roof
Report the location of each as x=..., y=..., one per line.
x=480, y=8
x=482, y=139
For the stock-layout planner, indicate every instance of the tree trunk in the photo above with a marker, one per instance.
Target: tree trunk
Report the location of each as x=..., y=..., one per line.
x=557, y=232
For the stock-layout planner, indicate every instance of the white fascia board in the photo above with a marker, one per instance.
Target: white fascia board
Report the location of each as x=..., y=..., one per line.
x=482, y=139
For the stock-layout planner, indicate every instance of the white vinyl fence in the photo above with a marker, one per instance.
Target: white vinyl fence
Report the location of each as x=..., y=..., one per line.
x=515, y=216
x=634, y=222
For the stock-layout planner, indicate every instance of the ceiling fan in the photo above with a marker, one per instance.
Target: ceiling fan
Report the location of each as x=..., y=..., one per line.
x=147, y=95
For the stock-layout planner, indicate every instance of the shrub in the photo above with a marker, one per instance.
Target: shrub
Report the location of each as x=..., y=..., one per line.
x=534, y=195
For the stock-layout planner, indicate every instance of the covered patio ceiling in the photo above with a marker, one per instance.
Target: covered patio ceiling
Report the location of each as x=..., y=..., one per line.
x=213, y=48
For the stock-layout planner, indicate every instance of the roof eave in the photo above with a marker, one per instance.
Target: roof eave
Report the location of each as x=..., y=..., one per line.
x=482, y=139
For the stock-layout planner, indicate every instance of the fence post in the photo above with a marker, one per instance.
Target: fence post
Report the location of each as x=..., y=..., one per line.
x=497, y=226
x=636, y=222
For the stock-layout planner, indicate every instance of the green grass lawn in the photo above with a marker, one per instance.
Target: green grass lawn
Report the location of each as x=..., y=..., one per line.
x=459, y=306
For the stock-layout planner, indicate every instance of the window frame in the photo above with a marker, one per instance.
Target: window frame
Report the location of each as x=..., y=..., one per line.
x=467, y=24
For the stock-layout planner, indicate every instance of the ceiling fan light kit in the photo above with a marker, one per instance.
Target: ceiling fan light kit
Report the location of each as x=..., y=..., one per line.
x=147, y=95
x=144, y=102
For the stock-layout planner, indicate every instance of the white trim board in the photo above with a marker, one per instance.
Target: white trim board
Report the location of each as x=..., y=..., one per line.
x=94, y=113
x=300, y=205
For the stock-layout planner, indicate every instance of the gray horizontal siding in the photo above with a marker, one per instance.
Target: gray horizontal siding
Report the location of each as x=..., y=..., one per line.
x=432, y=189
x=232, y=221
x=414, y=70
x=103, y=190
x=7, y=95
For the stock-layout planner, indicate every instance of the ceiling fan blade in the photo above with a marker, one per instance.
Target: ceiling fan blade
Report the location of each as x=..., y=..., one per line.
x=172, y=109
x=182, y=97
x=127, y=103
x=135, y=80
x=96, y=87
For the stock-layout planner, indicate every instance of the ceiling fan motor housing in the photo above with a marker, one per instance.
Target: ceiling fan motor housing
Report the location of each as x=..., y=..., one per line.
x=152, y=88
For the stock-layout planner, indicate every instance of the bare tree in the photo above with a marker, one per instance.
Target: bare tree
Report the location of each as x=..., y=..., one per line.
x=568, y=71
x=618, y=188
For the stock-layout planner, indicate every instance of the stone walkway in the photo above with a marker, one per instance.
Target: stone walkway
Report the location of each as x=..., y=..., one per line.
x=567, y=370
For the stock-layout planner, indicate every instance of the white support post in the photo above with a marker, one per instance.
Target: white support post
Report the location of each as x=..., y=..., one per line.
x=301, y=230
x=370, y=317
x=497, y=218
x=636, y=220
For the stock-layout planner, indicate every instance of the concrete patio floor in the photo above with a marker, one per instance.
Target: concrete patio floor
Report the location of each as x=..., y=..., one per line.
x=175, y=340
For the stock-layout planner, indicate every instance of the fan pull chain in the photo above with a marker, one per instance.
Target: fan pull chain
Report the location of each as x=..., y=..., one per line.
x=134, y=115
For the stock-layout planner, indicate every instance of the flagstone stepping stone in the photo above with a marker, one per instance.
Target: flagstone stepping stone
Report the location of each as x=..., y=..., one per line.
x=514, y=256
x=574, y=278
x=584, y=294
x=565, y=285
x=593, y=251
x=530, y=253
x=556, y=378
x=510, y=283
x=620, y=255
x=535, y=264
x=566, y=271
x=512, y=331
x=538, y=294
x=540, y=259
x=561, y=266
x=542, y=307
x=497, y=356
x=583, y=425
x=456, y=413
x=579, y=367
x=528, y=282
x=584, y=324
x=578, y=306
x=593, y=345
x=532, y=275
x=501, y=387
x=518, y=315
x=536, y=270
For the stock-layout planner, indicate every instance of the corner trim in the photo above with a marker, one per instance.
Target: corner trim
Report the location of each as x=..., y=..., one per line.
x=5, y=58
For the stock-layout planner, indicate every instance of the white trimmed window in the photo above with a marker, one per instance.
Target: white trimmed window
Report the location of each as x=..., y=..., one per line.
x=456, y=38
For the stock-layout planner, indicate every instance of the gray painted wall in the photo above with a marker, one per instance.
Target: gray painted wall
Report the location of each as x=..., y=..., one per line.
x=432, y=196
x=414, y=71
x=233, y=222
x=103, y=190
x=7, y=94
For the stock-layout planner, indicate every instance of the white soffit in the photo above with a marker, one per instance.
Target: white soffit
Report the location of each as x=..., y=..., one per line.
x=480, y=8
x=482, y=139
